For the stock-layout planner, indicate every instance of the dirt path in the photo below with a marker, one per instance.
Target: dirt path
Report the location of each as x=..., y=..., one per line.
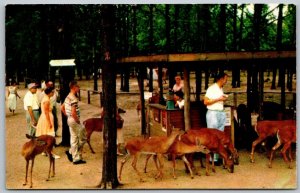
x=87, y=176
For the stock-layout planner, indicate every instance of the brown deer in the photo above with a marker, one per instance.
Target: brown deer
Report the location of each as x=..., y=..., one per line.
x=286, y=136
x=179, y=148
x=153, y=145
x=96, y=124
x=266, y=129
x=213, y=143
x=35, y=146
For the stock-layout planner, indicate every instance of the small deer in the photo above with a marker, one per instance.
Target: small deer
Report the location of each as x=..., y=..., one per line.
x=179, y=148
x=266, y=129
x=286, y=135
x=35, y=146
x=158, y=145
x=96, y=124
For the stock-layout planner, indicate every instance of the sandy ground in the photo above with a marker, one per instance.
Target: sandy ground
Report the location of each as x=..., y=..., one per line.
x=87, y=176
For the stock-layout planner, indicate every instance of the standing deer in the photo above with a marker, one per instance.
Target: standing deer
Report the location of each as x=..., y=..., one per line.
x=35, y=146
x=153, y=145
x=286, y=135
x=96, y=124
x=179, y=148
x=266, y=129
x=213, y=143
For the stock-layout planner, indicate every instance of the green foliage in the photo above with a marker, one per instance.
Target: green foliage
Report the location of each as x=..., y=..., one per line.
x=196, y=28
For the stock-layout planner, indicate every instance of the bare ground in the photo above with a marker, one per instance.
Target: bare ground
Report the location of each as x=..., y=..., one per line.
x=87, y=176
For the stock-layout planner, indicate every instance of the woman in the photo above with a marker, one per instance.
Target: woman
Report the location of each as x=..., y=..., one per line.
x=178, y=86
x=45, y=125
x=12, y=97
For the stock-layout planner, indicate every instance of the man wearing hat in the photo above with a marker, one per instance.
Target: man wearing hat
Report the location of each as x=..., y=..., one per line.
x=31, y=106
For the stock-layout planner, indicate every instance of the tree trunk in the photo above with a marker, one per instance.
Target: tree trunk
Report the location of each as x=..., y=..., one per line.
x=278, y=43
x=187, y=87
x=109, y=168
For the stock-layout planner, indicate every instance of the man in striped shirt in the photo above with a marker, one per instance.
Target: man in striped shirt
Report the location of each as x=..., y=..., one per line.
x=77, y=132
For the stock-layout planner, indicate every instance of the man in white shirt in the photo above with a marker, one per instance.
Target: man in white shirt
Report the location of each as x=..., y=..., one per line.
x=214, y=100
x=179, y=99
x=31, y=106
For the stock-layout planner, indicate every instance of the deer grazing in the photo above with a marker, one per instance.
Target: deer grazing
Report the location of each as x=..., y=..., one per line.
x=213, y=143
x=286, y=136
x=96, y=124
x=179, y=148
x=266, y=129
x=35, y=146
x=158, y=145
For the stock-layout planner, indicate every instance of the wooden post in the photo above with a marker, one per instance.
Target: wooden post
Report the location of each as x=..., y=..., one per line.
x=198, y=83
x=79, y=95
x=187, y=121
x=89, y=97
x=261, y=90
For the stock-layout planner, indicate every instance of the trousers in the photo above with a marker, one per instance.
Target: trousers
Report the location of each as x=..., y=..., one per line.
x=216, y=120
x=77, y=139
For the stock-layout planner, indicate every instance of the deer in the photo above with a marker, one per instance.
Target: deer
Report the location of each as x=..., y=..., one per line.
x=265, y=129
x=96, y=124
x=179, y=148
x=34, y=147
x=286, y=136
x=213, y=143
x=157, y=145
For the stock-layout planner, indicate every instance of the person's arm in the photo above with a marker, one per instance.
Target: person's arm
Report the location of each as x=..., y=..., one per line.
x=47, y=110
x=30, y=111
x=208, y=101
x=74, y=113
x=63, y=109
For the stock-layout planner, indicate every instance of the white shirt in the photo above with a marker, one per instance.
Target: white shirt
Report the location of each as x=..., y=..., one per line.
x=214, y=92
x=180, y=103
x=31, y=100
x=177, y=88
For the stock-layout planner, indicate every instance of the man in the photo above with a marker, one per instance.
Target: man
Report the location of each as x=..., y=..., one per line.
x=179, y=101
x=214, y=100
x=71, y=109
x=31, y=106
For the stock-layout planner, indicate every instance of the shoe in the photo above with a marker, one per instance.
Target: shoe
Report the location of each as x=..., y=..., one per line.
x=55, y=156
x=9, y=109
x=69, y=156
x=79, y=162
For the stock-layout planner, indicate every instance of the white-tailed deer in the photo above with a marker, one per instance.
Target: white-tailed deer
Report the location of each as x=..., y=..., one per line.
x=286, y=135
x=96, y=124
x=266, y=129
x=213, y=143
x=158, y=145
x=179, y=148
x=35, y=146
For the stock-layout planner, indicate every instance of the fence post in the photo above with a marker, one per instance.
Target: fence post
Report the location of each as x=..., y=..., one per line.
x=79, y=96
x=235, y=99
x=89, y=97
x=100, y=99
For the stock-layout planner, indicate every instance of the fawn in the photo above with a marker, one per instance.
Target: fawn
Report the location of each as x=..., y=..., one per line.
x=35, y=146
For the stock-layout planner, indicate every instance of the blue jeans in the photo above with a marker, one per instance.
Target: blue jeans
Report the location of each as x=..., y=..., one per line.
x=216, y=120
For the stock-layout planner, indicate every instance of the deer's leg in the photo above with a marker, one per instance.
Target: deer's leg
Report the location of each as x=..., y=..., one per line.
x=254, y=144
x=122, y=164
x=88, y=136
x=134, y=166
x=31, y=169
x=161, y=165
x=50, y=161
x=207, y=164
x=155, y=161
x=213, y=163
x=146, y=162
x=188, y=165
x=27, y=163
x=276, y=146
x=174, y=165
x=283, y=151
x=290, y=153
